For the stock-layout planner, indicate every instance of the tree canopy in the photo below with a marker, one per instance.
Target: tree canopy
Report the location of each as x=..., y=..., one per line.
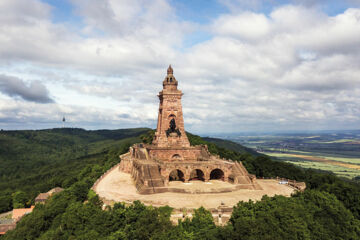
x=328, y=209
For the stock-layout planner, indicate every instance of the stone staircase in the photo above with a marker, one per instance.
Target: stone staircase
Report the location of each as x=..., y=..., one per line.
x=240, y=174
x=151, y=179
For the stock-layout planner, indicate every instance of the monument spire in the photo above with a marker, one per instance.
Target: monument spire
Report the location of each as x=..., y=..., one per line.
x=170, y=70
x=171, y=158
x=170, y=128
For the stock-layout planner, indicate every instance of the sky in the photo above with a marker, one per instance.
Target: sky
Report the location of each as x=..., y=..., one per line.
x=242, y=65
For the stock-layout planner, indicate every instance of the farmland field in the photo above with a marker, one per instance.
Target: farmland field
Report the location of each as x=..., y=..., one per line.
x=335, y=151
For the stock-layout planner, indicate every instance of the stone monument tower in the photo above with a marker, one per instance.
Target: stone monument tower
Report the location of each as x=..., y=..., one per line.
x=170, y=156
x=170, y=127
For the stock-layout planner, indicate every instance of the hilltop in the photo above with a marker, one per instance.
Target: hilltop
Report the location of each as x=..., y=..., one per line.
x=35, y=161
x=74, y=159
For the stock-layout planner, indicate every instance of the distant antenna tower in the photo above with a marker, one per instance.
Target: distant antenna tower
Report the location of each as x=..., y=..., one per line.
x=63, y=122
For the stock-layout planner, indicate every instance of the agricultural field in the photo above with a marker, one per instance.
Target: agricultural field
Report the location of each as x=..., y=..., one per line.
x=335, y=151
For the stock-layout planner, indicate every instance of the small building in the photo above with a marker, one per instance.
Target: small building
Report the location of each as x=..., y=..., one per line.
x=18, y=213
x=11, y=218
x=6, y=222
x=42, y=197
x=6, y=227
x=55, y=190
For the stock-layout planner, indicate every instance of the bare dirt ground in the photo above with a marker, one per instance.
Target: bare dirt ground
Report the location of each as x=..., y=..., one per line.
x=118, y=187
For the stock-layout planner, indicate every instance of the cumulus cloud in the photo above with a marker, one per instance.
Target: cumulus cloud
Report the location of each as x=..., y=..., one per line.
x=109, y=43
x=15, y=87
x=23, y=12
x=294, y=74
x=256, y=5
x=294, y=67
x=113, y=17
x=236, y=5
x=31, y=115
x=249, y=26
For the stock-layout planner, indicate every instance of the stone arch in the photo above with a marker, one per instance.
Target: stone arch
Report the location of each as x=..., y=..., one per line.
x=171, y=116
x=176, y=175
x=197, y=174
x=218, y=174
x=176, y=157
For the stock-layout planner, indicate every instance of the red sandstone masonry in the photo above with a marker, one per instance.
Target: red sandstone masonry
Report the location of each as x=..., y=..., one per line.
x=151, y=165
x=170, y=108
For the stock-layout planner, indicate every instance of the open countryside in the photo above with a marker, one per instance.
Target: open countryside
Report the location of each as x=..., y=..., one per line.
x=337, y=151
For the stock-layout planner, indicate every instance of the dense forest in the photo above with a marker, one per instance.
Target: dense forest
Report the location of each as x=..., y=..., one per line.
x=35, y=161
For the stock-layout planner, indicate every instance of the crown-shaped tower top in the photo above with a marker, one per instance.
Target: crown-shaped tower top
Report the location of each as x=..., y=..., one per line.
x=170, y=70
x=170, y=81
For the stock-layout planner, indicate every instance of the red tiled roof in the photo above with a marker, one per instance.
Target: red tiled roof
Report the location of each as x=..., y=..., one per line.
x=42, y=196
x=6, y=227
x=55, y=190
x=20, y=212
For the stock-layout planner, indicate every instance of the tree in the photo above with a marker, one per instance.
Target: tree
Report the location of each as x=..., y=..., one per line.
x=94, y=199
x=5, y=202
x=19, y=199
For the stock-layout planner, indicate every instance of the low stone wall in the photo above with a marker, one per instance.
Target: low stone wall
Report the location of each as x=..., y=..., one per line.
x=104, y=175
x=300, y=186
x=221, y=215
x=150, y=190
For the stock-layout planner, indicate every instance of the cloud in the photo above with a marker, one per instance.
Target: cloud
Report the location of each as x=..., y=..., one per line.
x=293, y=67
x=15, y=87
x=21, y=115
x=109, y=43
x=258, y=5
x=23, y=12
x=249, y=26
x=237, y=5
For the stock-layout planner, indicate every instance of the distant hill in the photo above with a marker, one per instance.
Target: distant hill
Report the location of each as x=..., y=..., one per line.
x=34, y=161
x=32, y=149
x=231, y=145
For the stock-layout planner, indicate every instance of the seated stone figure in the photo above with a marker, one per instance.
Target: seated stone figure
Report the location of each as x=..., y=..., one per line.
x=173, y=129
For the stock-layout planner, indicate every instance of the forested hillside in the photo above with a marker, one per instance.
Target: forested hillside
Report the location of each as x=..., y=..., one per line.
x=36, y=161
x=328, y=209
x=231, y=145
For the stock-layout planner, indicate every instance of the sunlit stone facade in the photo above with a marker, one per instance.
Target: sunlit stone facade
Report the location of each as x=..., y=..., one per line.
x=171, y=158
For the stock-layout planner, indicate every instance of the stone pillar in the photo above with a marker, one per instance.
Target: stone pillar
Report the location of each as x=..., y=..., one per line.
x=187, y=177
x=206, y=177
